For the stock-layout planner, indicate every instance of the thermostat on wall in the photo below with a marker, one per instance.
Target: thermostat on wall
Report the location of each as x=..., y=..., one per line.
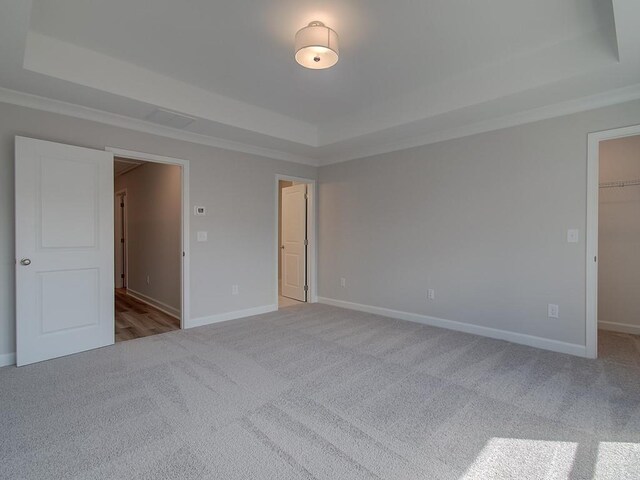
x=199, y=211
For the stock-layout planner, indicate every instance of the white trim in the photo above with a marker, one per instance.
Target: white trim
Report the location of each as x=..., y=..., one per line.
x=591, y=102
x=593, y=168
x=234, y=315
x=36, y=102
x=520, y=338
x=157, y=304
x=7, y=359
x=185, y=301
x=619, y=327
x=582, y=104
x=312, y=260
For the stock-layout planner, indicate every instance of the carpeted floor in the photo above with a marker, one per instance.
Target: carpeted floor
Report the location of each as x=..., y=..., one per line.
x=320, y=392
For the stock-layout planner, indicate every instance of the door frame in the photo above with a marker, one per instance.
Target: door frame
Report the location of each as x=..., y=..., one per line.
x=184, y=165
x=123, y=192
x=312, y=247
x=591, y=263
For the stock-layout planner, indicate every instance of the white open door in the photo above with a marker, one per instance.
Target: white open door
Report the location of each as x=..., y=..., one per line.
x=294, y=236
x=64, y=250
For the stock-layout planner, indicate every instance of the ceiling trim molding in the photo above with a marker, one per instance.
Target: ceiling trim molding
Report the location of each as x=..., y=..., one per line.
x=36, y=102
x=582, y=104
x=560, y=109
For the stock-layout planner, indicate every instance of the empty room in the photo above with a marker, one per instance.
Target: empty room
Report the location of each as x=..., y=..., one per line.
x=319, y=239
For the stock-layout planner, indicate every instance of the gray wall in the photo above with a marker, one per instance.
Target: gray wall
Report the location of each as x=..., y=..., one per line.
x=482, y=220
x=154, y=231
x=238, y=190
x=619, y=236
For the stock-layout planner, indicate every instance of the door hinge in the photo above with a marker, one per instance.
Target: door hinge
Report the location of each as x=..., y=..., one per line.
x=122, y=275
x=122, y=205
x=306, y=196
x=183, y=254
x=306, y=288
x=122, y=240
x=306, y=242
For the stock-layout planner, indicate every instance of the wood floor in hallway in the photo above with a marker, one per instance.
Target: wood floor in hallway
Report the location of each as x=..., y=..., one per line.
x=135, y=319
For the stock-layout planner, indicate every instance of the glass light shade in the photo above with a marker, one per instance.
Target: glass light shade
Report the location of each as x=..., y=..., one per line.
x=317, y=46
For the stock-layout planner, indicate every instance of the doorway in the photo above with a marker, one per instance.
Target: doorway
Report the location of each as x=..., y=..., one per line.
x=295, y=241
x=613, y=243
x=148, y=256
x=65, y=253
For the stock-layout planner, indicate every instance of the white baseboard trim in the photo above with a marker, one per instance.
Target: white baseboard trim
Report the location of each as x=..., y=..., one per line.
x=521, y=338
x=619, y=327
x=223, y=317
x=7, y=359
x=163, y=307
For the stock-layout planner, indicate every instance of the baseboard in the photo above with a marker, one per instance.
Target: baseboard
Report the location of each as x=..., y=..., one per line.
x=7, y=359
x=521, y=338
x=223, y=317
x=619, y=327
x=163, y=307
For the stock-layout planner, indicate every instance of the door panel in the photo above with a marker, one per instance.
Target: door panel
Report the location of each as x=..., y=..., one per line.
x=294, y=253
x=64, y=249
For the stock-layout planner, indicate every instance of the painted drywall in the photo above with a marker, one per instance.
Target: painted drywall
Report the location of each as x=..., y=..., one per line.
x=482, y=220
x=236, y=188
x=154, y=230
x=619, y=236
x=281, y=184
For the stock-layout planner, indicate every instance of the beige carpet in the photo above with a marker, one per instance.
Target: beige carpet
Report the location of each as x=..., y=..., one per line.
x=320, y=392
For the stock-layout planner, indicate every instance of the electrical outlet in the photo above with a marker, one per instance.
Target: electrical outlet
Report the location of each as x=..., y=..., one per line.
x=431, y=294
x=235, y=290
x=553, y=311
x=343, y=282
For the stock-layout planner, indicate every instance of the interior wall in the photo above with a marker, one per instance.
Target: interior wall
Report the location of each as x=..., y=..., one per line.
x=482, y=220
x=154, y=231
x=281, y=184
x=236, y=188
x=619, y=237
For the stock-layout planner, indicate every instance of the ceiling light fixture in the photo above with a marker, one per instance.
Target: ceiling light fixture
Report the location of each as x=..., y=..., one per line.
x=317, y=46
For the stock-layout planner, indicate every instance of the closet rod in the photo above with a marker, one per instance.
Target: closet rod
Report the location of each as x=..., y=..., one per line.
x=625, y=183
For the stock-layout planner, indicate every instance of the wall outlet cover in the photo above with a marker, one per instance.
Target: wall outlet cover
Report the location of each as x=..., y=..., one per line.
x=573, y=235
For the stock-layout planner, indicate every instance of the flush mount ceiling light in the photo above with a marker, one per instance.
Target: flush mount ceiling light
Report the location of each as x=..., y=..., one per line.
x=317, y=46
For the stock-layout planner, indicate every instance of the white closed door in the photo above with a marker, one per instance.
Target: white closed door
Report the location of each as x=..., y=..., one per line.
x=64, y=250
x=294, y=235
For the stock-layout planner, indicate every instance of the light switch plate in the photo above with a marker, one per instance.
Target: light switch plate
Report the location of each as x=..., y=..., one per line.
x=202, y=236
x=573, y=235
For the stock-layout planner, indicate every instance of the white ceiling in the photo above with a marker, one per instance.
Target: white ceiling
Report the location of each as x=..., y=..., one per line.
x=409, y=70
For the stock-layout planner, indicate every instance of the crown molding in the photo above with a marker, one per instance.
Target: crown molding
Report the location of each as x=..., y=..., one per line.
x=582, y=104
x=36, y=102
x=560, y=109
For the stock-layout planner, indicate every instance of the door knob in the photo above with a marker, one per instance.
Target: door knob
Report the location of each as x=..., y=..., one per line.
x=25, y=262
